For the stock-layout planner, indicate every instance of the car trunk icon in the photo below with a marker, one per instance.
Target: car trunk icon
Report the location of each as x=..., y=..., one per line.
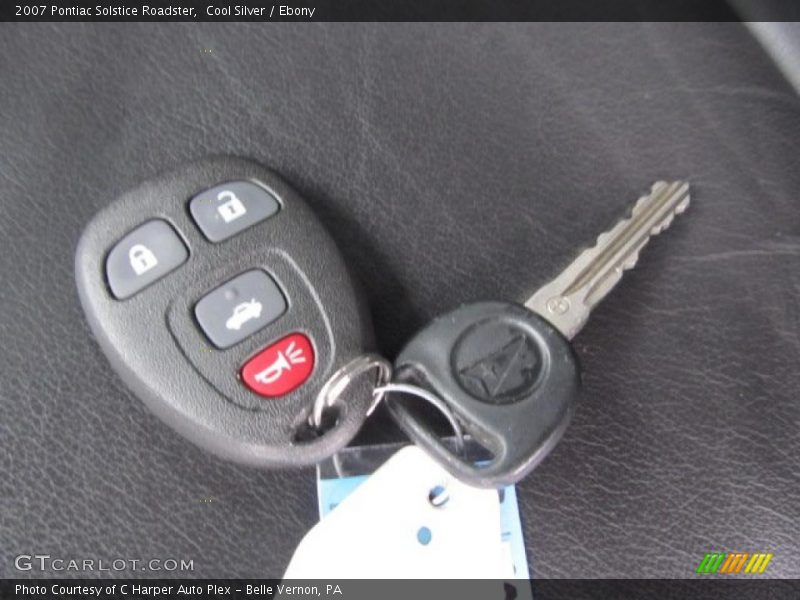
x=244, y=312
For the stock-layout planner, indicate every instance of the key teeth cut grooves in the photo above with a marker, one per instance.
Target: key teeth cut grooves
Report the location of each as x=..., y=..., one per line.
x=680, y=208
x=664, y=224
x=631, y=261
x=656, y=188
x=638, y=206
x=601, y=239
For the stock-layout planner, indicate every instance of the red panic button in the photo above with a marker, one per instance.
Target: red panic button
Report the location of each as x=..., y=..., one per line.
x=280, y=368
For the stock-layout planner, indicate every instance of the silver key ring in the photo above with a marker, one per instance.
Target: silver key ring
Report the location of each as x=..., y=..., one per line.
x=333, y=389
x=431, y=398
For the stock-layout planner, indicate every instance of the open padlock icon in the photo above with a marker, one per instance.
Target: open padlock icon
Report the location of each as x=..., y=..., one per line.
x=231, y=207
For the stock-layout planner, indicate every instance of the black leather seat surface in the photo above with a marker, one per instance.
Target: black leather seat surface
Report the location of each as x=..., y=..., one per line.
x=452, y=163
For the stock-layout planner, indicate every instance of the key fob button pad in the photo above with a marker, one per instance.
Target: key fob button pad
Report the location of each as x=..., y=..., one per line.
x=306, y=313
x=163, y=345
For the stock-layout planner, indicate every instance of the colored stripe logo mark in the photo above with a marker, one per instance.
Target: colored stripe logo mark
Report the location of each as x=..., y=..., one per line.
x=734, y=562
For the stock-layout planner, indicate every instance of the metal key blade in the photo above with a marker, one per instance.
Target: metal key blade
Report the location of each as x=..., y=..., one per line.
x=569, y=298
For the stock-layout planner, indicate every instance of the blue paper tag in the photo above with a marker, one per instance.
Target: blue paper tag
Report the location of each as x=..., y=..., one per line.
x=337, y=478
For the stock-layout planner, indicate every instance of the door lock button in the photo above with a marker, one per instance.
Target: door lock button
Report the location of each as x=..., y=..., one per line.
x=225, y=210
x=143, y=256
x=239, y=308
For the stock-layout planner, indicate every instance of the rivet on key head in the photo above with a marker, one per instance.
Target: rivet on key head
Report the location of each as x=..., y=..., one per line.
x=558, y=305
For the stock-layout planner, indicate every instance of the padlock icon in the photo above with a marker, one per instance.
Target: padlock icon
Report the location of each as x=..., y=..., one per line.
x=141, y=258
x=231, y=207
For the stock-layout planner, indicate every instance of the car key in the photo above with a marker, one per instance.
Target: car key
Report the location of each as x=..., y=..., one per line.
x=507, y=372
x=225, y=306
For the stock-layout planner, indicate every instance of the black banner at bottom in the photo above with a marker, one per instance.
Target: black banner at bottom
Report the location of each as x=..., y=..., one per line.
x=540, y=589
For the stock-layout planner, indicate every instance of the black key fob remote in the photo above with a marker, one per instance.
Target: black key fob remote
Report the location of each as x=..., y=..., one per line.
x=223, y=303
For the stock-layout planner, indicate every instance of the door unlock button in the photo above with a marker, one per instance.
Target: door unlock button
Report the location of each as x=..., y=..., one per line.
x=142, y=257
x=227, y=209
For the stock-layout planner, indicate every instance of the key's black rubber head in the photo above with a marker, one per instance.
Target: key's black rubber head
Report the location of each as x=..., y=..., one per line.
x=510, y=379
x=185, y=358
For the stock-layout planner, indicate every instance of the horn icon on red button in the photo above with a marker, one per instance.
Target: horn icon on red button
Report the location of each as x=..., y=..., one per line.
x=280, y=368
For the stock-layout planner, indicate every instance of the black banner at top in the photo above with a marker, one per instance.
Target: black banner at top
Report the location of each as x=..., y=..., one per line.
x=399, y=10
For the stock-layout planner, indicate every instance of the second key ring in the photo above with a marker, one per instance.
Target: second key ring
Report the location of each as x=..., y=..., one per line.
x=335, y=387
